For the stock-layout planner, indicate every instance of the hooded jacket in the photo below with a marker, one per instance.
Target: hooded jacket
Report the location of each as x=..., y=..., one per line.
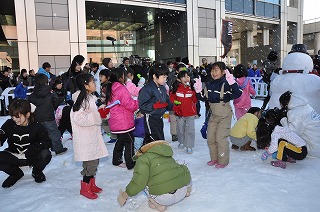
x=156, y=168
x=244, y=101
x=46, y=102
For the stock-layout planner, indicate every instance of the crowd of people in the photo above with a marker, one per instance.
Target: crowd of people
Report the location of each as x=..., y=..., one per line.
x=127, y=104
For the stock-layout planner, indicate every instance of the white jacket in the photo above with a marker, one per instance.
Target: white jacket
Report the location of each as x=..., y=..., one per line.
x=305, y=122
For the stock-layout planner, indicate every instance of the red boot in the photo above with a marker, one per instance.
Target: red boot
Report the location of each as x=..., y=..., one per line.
x=86, y=191
x=93, y=186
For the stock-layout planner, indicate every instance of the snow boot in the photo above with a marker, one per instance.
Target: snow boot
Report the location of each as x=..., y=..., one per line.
x=279, y=163
x=174, y=138
x=291, y=160
x=220, y=166
x=93, y=186
x=39, y=177
x=212, y=162
x=86, y=191
x=247, y=147
x=15, y=174
x=154, y=205
x=234, y=147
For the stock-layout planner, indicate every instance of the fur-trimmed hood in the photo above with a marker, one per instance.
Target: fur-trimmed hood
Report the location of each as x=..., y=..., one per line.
x=159, y=147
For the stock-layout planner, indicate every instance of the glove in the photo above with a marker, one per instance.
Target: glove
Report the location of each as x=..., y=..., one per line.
x=274, y=155
x=198, y=85
x=33, y=149
x=122, y=198
x=229, y=77
x=265, y=155
x=176, y=102
x=159, y=105
x=177, y=111
x=104, y=112
x=141, y=82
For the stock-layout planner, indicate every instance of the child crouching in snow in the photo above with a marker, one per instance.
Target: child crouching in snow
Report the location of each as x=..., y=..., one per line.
x=166, y=181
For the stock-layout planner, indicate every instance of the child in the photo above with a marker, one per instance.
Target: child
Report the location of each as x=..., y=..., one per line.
x=46, y=103
x=28, y=144
x=21, y=90
x=86, y=126
x=153, y=102
x=243, y=132
x=166, y=181
x=243, y=103
x=183, y=95
x=132, y=88
x=219, y=91
x=60, y=91
x=121, y=119
x=139, y=131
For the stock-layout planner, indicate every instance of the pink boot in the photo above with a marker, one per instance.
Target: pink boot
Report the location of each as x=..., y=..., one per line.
x=279, y=163
x=212, y=162
x=220, y=166
x=291, y=160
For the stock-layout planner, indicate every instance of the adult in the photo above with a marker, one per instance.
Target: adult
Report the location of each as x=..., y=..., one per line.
x=125, y=63
x=45, y=69
x=5, y=79
x=23, y=76
x=254, y=71
x=204, y=71
x=31, y=77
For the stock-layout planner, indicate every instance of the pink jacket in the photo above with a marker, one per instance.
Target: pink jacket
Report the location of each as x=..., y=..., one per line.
x=86, y=130
x=244, y=101
x=132, y=88
x=122, y=115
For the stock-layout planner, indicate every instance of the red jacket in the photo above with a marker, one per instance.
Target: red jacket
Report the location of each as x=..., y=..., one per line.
x=188, y=100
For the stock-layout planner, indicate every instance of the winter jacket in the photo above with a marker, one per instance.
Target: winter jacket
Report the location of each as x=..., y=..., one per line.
x=188, y=100
x=139, y=128
x=254, y=73
x=244, y=101
x=46, y=102
x=132, y=88
x=86, y=131
x=245, y=126
x=214, y=87
x=157, y=169
x=22, y=138
x=149, y=95
x=305, y=122
x=42, y=71
x=69, y=80
x=122, y=115
x=96, y=80
x=20, y=91
x=61, y=93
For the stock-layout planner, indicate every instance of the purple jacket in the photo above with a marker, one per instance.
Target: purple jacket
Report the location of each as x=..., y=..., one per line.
x=139, y=130
x=122, y=115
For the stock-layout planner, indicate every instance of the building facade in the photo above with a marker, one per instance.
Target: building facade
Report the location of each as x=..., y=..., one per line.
x=36, y=31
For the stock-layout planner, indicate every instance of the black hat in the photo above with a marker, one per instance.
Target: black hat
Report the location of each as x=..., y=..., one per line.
x=285, y=99
x=299, y=48
x=240, y=71
x=272, y=56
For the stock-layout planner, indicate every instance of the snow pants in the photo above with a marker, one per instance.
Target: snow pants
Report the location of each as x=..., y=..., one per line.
x=54, y=135
x=286, y=149
x=173, y=123
x=186, y=132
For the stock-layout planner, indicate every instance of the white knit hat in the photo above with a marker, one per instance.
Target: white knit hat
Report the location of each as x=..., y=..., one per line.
x=298, y=61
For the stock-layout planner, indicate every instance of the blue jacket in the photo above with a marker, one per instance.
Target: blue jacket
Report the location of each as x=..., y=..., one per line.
x=149, y=95
x=20, y=91
x=42, y=71
x=139, y=128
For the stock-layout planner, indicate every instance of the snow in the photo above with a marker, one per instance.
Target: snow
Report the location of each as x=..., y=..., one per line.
x=246, y=184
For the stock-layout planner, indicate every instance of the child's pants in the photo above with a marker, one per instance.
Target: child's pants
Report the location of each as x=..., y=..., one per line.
x=173, y=123
x=106, y=128
x=90, y=167
x=126, y=141
x=218, y=131
x=138, y=142
x=153, y=126
x=285, y=150
x=54, y=134
x=186, y=132
x=171, y=198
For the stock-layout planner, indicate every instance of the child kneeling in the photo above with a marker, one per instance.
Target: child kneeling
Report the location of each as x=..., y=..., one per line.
x=154, y=172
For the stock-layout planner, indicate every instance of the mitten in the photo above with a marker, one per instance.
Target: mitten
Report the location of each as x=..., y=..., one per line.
x=104, y=112
x=122, y=198
x=33, y=149
x=265, y=155
x=176, y=102
x=229, y=77
x=198, y=85
x=141, y=82
x=159, y=105
x=274, y=155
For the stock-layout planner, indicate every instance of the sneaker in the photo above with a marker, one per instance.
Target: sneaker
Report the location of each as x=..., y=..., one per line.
x=212, y=162
x=174, y=138
x=112, y=141
x=122, y=165
x=291, y=160
x=180, y=146
x=234, y=147
x=220, y=166
x=189, y=150
x=62, y=151
x=279, y=163
x=39, y=177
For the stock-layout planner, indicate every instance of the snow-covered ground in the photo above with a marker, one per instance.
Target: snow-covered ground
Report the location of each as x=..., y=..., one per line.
x=246, y=184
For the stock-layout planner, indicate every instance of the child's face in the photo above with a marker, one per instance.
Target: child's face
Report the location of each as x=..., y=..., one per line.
x=161, y=80
x=59, y=86
x=216, y=72
x=103, y=78
x=110, y=65
x=21, y=120
x=78, y=67
x=185, y=79
x=24, y=75
x=258, y=114
x=91, y=87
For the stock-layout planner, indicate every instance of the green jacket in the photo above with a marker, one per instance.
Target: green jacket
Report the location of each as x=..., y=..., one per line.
x=156, y=169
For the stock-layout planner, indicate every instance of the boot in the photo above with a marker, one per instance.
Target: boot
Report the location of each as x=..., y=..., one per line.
x=279, y=163
x=212, y=162
x=93, y=186
x=15, y=174
x=174, y=138
x=154, y=205
x=86, y=191
x=247, y=147
x=39, y=177
x=291, y=160
x=234, y=147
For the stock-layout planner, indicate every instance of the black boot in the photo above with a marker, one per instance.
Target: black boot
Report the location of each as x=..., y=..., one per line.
x=39, y=177
x=15, y=174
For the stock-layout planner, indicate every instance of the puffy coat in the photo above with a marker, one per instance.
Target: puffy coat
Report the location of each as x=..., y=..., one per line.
x=157, y=169
x=246, y=125
x=132, y=88
x=122, y=115
x=244, y=101
x=20, y=91
x=305, y=122
x=86, y=127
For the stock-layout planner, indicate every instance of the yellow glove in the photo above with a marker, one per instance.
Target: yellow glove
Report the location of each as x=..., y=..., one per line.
x=122, y=198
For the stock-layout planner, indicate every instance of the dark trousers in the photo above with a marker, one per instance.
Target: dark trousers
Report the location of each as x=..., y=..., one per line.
x=286, y=150
x=126, y=141
x=10, y=163
x=65, y=122
x=153, y=126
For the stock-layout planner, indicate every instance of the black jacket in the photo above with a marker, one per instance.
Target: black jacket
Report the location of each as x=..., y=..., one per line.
x=28, y=140
x=46, y=102
x=69, y=80
x=149, y=95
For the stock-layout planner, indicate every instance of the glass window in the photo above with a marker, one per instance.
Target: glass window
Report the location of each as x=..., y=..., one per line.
x=276, y=11
x=260, y=8
x=207, y=24
x=248, y=6
x=228, y=5
x=268, y=10
x=237, y=6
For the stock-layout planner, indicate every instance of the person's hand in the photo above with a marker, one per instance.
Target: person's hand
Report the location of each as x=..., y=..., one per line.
x=122, y=198
x=198, y=85
x=160, y=105
x=103, y=112
x=265, y=155
x=176, y=102
x=141, y=82
x=229, y=77
x=177, y=111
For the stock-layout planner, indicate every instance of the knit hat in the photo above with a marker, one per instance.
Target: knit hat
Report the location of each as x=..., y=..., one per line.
x=298, y=61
